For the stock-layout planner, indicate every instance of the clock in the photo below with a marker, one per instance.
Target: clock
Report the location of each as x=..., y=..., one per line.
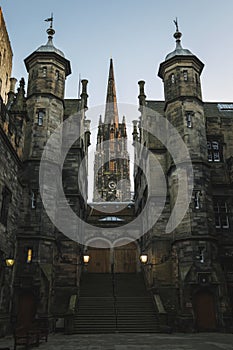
x=112, y=185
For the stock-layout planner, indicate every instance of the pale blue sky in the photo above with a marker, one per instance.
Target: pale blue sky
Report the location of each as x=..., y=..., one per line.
x=137, y=34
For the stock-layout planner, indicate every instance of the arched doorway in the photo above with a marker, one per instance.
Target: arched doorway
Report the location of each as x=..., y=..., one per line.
x=205, y=313
x=26, y=310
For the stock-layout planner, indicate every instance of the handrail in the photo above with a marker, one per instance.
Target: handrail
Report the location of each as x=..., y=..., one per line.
x=114, y=294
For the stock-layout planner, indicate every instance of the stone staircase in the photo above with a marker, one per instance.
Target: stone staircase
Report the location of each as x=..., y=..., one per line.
x=110, y=303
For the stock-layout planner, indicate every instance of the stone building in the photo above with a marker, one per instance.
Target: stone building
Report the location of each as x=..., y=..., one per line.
x=39, y=269
x=190, y=268
x=5, y=59
x=185, y=280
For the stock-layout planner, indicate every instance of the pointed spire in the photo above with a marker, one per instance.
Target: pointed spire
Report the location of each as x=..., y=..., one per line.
x=19, y=103
x=111, y=111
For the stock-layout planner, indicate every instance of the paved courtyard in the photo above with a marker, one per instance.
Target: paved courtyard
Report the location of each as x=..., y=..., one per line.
x=178, y=341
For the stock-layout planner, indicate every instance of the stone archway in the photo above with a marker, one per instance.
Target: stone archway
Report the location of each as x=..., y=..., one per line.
x=205, y=313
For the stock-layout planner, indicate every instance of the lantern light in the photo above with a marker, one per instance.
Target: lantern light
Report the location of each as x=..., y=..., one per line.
x=143, y=258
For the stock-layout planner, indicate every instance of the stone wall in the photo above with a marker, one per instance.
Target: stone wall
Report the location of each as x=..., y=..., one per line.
x=5, y=59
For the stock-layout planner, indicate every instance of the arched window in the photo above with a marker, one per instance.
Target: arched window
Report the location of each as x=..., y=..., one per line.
x=41, y=116
x=185, y=75
x=214, y=151
x=44, y=72
x=57, y=75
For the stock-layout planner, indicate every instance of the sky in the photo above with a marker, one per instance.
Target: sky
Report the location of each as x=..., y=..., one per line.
x=136, y=34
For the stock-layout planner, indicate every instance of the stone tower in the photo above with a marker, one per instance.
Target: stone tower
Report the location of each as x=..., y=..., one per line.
x=111, y=169
x=47, y=71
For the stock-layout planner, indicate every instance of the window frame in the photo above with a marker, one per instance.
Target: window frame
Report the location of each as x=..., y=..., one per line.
x=189, y=119
x=214, y=155
x=40, y=120
x=44, y=71
x=185, y=75
x=221, y=216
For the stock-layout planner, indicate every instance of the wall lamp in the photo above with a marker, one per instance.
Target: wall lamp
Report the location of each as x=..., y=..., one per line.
x=10, y=262
x=86, y=259
x=144, y=260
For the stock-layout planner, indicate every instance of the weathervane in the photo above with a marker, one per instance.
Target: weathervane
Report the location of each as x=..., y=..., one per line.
x=50, y=31
x=176, y=24
x=50, y=20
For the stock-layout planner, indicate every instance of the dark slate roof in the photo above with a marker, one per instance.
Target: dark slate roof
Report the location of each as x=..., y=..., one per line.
x=212, y=109
x=157, y=106
x=71, y=106
x=179, y=51
x=49, y=47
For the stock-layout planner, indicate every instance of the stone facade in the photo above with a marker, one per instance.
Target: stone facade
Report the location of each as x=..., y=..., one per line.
x=191, y=267
x=46, y=272
x=111, y=168
x=5, y=60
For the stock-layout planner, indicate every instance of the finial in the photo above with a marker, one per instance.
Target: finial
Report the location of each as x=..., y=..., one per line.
x=176, y=24
x=50, y=31
x=177, y=34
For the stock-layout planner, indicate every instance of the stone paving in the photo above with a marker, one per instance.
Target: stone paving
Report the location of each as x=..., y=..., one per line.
x=176, y=341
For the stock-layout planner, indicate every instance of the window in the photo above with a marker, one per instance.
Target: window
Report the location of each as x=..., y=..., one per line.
x=29, y=255
x=201, y=254
x=189, y=119
x=214, y=151
x=221, y=213
x=173, y=78
x=33, y=200
x=6, y=200
x=185, y=74
x=57, y=75
x=41, y=115
x=44, y=72
x=197, y=199
x=6, y=79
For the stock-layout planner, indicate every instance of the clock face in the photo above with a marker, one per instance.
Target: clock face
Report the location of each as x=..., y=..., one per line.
x=112, y=185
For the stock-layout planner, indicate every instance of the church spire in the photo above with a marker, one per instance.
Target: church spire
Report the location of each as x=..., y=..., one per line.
x=111, y=111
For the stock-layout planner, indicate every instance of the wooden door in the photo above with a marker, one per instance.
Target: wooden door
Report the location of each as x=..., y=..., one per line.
x=205, y=311
x=99, y=260
x=125, y=258
x=26, y=310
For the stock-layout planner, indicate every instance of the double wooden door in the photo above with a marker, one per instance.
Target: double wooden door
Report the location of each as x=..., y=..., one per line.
x=121, y=259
